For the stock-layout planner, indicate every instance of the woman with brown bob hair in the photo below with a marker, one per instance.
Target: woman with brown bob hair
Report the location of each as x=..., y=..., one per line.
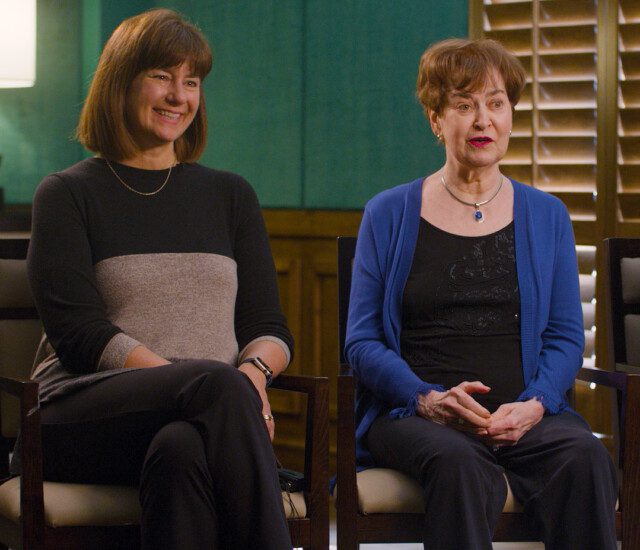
x=465, y=327
x=156, y=286
x=153, y=40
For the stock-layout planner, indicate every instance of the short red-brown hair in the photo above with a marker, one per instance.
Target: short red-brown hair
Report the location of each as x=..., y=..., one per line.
x=158, y=38
x=464, y=64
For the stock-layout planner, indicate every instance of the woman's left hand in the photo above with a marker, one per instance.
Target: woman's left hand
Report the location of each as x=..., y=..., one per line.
x=260, y=382
x=512, y=420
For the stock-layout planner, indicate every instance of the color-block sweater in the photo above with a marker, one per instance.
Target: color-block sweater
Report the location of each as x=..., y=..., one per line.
x=187, y=272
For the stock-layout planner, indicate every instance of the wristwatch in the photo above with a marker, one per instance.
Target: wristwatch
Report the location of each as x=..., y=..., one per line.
x=262, y=366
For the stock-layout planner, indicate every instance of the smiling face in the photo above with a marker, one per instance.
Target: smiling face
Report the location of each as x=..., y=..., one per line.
x=475, y=125
x=161, y=104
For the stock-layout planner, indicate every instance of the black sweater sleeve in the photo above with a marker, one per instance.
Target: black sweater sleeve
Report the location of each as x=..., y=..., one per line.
x=62, y=278
x=257, y=311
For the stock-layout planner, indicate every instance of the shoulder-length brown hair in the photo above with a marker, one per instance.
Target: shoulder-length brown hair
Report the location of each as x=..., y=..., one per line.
x=155, y=39
x=463, y=64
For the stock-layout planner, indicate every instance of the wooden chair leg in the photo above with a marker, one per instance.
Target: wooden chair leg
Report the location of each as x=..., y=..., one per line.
x=347, y=541
x=347, y=536
x=347, y=497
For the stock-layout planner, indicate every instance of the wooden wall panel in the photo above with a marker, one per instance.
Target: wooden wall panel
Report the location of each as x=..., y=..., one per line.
x=303, y=243
x=289, y=271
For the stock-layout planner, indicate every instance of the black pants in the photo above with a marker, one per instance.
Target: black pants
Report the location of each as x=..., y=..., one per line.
x=559, y=471
x=192, y=436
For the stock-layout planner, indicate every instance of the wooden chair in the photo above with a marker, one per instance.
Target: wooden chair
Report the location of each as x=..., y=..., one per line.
x=37, y=515
x=622, y=286
x=385, y=506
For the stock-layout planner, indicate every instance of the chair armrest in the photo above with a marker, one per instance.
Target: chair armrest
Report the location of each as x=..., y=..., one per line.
x=302, y=384
x=316, y=447
x=609, y=379
x=19, y=387
x=31, y=492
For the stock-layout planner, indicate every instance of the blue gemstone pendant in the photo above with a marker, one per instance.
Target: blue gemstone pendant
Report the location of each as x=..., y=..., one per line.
x=478, y=216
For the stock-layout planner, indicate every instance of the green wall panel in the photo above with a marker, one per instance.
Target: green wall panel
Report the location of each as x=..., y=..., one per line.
x=37, y=124
x=115, y=11
x=254, y=101
x=364, y=129
x=311, y=100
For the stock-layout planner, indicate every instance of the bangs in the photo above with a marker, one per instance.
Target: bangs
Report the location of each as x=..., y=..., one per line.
x=467, y=66
x=172, y=43
x=467, y=72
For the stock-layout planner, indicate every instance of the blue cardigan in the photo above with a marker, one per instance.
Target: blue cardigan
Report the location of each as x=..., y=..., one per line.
x=551, y=324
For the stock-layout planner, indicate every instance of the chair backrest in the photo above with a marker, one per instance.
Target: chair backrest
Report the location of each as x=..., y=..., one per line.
x=20, y=327
x=587, y=268
x=623, y=299
x=346, y=252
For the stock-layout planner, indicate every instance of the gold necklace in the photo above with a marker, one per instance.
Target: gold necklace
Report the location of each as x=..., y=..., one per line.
x=477, y=215
x=145, y=194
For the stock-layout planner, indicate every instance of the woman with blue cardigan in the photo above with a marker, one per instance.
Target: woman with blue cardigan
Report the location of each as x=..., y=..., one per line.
x=465, y=327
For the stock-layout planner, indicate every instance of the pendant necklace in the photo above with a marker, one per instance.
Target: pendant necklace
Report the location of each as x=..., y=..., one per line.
x=145, y=194
x=477, y=215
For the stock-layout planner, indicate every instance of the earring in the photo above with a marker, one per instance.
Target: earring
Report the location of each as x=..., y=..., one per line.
x=510, y=131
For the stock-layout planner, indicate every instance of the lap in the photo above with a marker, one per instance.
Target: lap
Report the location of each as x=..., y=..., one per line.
x=557, y=442
x=412, y=431
x=138, y=391
x=553, y=437
x=408, y=444
x=101, y=432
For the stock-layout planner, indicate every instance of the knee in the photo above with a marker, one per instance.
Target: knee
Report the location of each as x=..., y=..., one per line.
x=217, y=382
x=455, y=455
x=587, y=454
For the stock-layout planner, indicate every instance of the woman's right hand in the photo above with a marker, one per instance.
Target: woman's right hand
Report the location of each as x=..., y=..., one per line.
x=456, y=408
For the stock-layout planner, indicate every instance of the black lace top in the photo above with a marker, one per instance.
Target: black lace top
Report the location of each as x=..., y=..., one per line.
x=460, y=312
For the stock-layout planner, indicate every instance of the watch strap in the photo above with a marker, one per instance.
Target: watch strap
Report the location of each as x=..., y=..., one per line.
x=261, y=366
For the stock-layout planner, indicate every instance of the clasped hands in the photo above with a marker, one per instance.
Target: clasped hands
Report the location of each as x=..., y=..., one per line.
x=459, y=410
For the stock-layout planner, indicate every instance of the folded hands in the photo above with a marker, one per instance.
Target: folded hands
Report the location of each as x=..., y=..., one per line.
x=458, y=409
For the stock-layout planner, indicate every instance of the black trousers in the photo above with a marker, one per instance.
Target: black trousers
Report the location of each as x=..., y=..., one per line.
x=192, y=436
x=558, y=470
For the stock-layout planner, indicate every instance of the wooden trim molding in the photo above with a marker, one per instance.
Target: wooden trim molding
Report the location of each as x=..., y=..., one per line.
x=298, y=223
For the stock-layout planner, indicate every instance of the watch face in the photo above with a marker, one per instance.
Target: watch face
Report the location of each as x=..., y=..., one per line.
x=262, y=365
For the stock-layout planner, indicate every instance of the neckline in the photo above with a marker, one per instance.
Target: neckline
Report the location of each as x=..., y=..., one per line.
x=133, y=169
x=448, y=233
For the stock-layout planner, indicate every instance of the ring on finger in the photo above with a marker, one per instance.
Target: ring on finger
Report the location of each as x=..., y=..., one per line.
x=268, y=417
